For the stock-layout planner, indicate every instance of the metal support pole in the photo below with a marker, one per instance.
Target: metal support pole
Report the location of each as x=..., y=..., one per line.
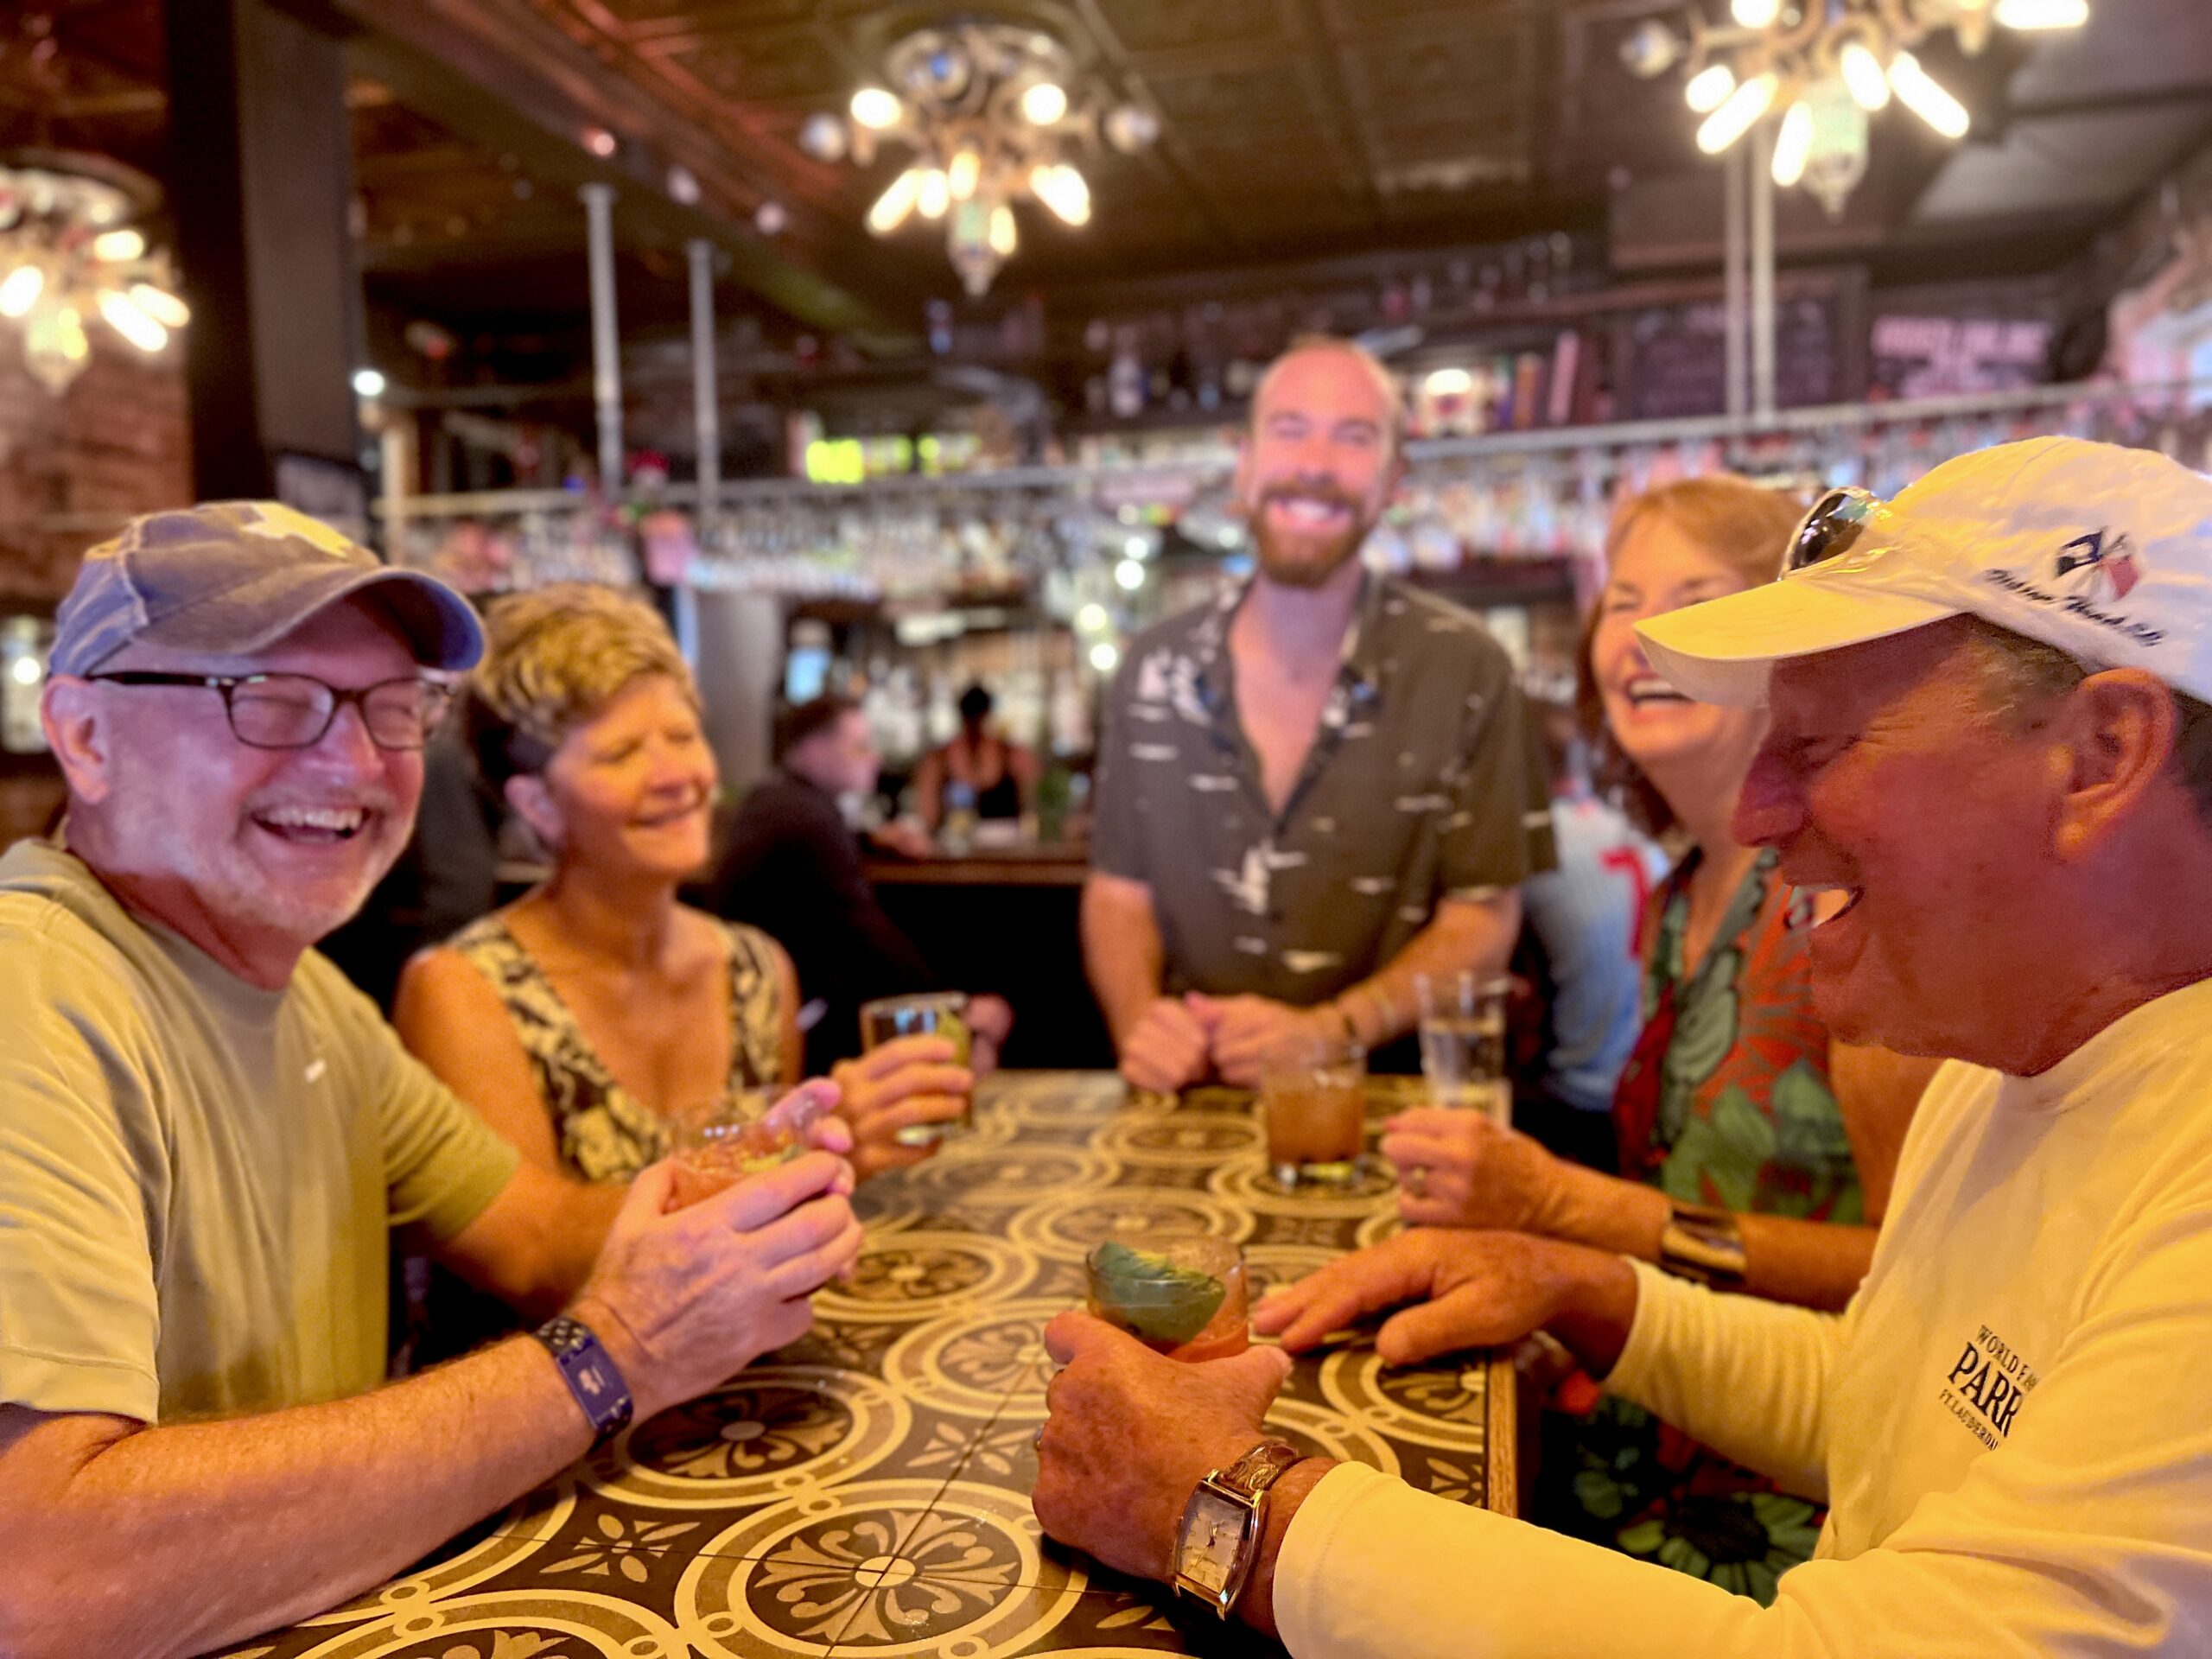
x=706, y=397
x=606, y=348
x=1736, y=322
x=1762, y=171
x=706, y=410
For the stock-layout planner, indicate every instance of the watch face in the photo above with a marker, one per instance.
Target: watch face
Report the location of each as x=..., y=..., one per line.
x=1212, y=1540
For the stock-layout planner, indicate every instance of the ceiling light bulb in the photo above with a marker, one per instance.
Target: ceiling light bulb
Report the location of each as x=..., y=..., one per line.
x=1063, y=190
x=1131, y=127
x=130, y=322
x=1734, y=117
x=963, y=172
x=1754, y=14
x=367, y=382
x=1708, y=89
x=118, y=247
x=1104, y=658
x=1129, y=574
x=25, y=670
x=2043, y=14
x=933, y=194
x=161, y=305
x=895, y=203
x=1043, y=103
x=1793, y=145
x=1002, y=235
x=69, y=334
x=1862, y=73
x=823, y=136
x=21, y=291
x=1925, y=99
x=876, y=109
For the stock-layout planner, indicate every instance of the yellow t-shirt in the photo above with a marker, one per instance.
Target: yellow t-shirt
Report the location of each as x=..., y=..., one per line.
x=198, y=1177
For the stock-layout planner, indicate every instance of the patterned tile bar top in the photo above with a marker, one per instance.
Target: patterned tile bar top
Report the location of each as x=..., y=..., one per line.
x=866, y=1492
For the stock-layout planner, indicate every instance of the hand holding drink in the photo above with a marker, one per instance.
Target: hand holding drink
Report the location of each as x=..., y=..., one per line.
x=942, y=1015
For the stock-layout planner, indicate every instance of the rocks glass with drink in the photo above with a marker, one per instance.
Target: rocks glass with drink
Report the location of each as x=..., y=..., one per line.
x=938, y=1013
x=1463, y=1043
x=1313, y=1108
x=720, y=1141
x=1187, y=1297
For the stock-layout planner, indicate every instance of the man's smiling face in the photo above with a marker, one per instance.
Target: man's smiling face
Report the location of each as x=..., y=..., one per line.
x=1319, y=465
x=283, y=843
x=1887, y=775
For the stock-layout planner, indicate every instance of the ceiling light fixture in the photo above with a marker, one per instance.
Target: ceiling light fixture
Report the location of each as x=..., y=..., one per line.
x=1826, y=65
x=71, y=249
x=992, y=115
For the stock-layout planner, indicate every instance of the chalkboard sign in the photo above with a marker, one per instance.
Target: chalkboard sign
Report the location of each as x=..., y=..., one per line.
x=1675, y=362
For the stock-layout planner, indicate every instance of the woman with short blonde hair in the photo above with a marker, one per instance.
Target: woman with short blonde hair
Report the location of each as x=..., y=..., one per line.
x=587, y=1016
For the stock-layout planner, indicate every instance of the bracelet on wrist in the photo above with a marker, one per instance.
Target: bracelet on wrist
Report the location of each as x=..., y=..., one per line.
x=1704, y=1245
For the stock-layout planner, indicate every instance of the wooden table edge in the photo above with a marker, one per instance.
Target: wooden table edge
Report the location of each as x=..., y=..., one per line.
x=1501, y=1436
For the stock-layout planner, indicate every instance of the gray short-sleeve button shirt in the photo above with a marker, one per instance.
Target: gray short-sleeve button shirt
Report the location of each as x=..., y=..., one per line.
x=1425, y=782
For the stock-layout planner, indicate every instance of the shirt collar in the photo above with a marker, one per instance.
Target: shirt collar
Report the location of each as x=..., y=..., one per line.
x=1359, y=676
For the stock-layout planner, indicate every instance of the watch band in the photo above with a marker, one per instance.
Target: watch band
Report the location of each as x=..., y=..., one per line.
x=1243, y=1486
x=1251, y=1475
x=1704, y=1245
x=590, y=1375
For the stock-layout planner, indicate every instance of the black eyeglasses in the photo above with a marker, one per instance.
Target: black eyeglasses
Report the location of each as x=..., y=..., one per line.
x=293, y=711
x=1833, y=526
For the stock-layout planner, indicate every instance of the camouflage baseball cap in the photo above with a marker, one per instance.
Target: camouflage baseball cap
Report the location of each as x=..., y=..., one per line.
x=234, y=577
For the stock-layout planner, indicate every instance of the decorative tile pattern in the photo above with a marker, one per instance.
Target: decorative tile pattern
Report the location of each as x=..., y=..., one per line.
x=866, y=1492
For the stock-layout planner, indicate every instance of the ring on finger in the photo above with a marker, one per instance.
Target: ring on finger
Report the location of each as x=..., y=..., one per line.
x=1416, y=1181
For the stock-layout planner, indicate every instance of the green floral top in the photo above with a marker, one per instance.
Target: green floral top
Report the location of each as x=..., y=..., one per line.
x=1725, y=1101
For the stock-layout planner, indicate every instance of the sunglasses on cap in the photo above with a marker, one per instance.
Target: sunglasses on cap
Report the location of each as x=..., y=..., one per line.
x=1835, y=526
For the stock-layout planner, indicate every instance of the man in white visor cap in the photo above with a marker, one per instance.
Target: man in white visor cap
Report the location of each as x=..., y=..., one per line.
x=1990, y=742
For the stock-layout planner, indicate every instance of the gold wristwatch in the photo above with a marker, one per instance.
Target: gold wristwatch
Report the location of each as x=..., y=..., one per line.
x=1219, y=1539
x=1704, y=1245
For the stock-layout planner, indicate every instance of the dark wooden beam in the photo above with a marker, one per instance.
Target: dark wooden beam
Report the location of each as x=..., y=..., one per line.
x=499, y=76
x=259, y=193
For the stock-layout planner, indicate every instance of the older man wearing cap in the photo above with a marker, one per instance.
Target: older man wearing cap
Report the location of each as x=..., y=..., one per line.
x=1990, y=732
x=206, y=1137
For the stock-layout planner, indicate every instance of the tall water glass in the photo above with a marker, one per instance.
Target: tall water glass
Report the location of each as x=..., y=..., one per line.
x=1463, y=1043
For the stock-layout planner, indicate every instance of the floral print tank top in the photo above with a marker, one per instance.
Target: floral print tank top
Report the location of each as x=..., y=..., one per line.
x=605, y=1134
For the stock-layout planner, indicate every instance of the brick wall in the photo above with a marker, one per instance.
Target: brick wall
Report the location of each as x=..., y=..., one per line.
x=72, y=470
x=73, y=467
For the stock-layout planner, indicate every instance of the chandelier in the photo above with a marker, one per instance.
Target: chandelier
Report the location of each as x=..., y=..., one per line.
x=1828, y=64
x=991, y=114
x=70, y=254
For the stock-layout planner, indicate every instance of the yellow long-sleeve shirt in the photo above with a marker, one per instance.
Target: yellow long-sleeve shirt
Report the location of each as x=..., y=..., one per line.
x=2011, y=1422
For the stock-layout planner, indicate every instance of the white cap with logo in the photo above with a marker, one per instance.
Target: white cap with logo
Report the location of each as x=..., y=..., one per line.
x=2101, y=551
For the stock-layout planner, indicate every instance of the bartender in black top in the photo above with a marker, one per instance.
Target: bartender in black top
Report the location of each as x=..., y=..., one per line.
x=793, y=868
x=1000, y=777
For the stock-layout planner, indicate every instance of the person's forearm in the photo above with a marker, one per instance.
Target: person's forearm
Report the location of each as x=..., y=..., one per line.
x=1256, y=1604
x=1464, y=936
x=1595, y=1323
x=1123, y=954
x=1812, y=1263
x=177, y=1540
x=536, y=1246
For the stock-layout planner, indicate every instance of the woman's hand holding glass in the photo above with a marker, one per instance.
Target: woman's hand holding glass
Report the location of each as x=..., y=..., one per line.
x=898, y=1085
x=1461, y=1169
